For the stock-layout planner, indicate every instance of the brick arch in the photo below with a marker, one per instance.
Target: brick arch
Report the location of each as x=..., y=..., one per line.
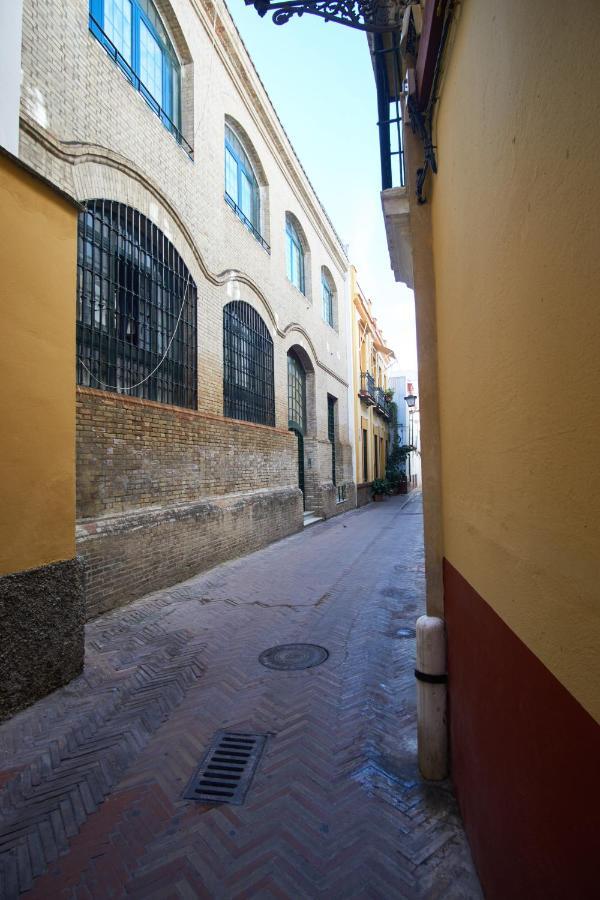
x=171, y=23
x=295, y=221
x=259, y=173
x=326, y=272
x=303, y=356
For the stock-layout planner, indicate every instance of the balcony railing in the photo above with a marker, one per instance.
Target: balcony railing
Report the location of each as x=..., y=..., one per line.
x=382, y=403
x=388, y=80
x=367, y=387
x=375, y=396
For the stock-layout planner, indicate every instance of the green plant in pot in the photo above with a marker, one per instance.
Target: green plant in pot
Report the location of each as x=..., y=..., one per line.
x=380, y=488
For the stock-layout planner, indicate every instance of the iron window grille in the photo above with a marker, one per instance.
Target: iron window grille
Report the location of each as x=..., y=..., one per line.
x=231, y=202
x=331, y=404
x=365, y=455
x=296, y=394
x=133, y=35
x=342, y=493
x=327, y=290
x=248, y=380
x=136, y=308
x=388, y=80
x=294, y=254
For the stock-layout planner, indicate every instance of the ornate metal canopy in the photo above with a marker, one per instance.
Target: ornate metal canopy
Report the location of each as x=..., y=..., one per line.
x=365, y=15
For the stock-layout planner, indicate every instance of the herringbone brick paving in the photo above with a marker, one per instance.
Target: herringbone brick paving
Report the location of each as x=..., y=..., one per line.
x=91, y=778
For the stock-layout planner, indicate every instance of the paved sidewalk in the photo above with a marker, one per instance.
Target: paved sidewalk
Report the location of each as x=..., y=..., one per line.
x=91, y=778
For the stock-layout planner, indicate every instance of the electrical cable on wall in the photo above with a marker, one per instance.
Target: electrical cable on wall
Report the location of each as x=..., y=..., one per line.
x=114, y=387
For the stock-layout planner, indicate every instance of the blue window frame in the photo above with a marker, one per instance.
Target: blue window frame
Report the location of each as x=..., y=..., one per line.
x=132, y=33
x=241, y=186
x=327, y=292
x=294, y=255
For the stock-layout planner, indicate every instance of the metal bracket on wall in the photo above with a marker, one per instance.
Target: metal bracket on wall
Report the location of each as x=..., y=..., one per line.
x=421, y=125
x=364, y=15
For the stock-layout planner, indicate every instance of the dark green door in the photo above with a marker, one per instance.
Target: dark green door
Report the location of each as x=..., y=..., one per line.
x=300, y=460
x=297, y=409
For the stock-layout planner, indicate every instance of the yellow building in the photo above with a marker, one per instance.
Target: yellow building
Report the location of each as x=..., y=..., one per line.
x=371, y=359
x=41, y=591
x=501, y=246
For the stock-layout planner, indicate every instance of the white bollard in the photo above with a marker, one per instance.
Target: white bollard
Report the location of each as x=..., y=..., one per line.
x=430, y=672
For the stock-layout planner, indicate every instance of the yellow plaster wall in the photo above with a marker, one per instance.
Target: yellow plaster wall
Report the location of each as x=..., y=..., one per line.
x=38, y=245
x=516, y=243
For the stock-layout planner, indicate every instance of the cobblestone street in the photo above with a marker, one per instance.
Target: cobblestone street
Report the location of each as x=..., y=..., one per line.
x=92, y=777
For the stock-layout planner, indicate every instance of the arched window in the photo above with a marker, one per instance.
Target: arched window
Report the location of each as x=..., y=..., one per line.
x=328, y=294
x=248, y=382
x=294, y=255
x=136, y=308
x=296, y=394
x=241, y=186
x=133, y=34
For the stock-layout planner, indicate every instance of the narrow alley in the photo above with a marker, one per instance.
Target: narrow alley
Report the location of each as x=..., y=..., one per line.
x=94, y=808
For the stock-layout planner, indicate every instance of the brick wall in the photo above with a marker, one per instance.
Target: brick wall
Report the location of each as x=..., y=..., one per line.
x=163, y=493
x=134, y=453
x=133, y=554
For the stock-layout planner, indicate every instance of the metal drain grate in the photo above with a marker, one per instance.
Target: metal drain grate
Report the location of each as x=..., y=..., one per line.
x=227, y=768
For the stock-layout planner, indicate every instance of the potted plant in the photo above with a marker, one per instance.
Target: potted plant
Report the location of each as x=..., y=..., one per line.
x=380, y=489
x=402, y=483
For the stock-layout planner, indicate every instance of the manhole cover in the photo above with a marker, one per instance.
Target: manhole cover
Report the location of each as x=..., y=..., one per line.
x=293, y=656
x=406, y=633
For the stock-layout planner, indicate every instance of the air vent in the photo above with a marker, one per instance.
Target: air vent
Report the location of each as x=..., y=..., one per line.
x=227, y=768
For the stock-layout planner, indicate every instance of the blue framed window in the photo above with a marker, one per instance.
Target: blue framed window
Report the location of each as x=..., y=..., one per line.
x=327, y=294
x=132, y=33
x=294, y=255
x=241, y=187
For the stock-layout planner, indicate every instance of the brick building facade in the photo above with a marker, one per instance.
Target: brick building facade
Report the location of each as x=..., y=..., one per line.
x=186, y=462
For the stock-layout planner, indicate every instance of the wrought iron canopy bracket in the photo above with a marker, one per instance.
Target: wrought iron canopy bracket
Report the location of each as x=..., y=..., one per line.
x=360, y=14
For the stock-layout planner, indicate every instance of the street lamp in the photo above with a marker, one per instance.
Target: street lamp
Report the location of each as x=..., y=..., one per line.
x=411, y=399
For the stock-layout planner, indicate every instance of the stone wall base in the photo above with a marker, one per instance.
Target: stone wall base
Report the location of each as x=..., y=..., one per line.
x=135, y=553
x=41, y=632
x=363, y=493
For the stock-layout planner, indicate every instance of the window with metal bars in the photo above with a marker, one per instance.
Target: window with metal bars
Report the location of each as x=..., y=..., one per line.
x=365, y=455
x=136, y=308
x=331, y=404
x=248, y=381
x=296, y=393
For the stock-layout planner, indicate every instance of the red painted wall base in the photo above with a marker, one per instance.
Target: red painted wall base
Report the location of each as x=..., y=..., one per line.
x=525, y=760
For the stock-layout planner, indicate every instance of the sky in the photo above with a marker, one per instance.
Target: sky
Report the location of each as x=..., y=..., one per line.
x=320, y=80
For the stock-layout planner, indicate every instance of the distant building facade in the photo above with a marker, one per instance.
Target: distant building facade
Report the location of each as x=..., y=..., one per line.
x=372, y=412
x=409, y=433
x=210, y=307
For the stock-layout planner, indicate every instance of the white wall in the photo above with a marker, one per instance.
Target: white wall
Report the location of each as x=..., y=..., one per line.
x=11, y=17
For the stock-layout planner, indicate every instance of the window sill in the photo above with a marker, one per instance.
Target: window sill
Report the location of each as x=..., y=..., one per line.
x=298, y=291
x=246, y=221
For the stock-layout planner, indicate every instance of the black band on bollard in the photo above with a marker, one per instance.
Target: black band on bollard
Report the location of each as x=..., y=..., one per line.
x=430, y=679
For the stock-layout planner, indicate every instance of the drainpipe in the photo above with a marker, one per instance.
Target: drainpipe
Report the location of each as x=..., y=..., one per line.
x=431, y=633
